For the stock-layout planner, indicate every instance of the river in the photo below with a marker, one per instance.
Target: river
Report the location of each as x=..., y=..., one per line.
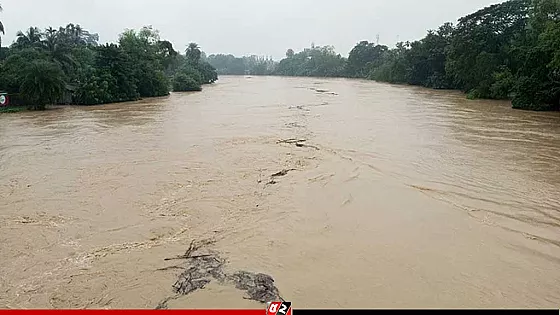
x=398, y=197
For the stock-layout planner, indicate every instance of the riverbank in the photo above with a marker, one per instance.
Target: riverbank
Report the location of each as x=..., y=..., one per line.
x=12, y=109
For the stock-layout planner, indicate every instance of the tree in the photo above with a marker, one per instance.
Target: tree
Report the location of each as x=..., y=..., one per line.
x=537, y=59
x=393, y=66
x=144, y=48
x=207, y=72
x=74, y=35
x=31, y=38
x=167, y=54
x=315, y=61
x=14, y=64
x=42, y=84
x=114, y=65
x=193, y=53
x=480, y=45
x=58, y=50
x=229, y=64
x=363, y=57
x=290, y=53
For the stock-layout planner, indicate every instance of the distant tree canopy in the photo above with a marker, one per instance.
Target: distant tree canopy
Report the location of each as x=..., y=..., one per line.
x=67, y=65
x=316, y=61
x=363, y=57
x=231, y=65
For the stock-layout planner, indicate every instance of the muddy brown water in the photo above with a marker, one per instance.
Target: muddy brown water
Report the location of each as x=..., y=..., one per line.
x=399, y=197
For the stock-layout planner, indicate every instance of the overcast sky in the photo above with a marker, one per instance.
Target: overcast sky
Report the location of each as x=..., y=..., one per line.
x=244, y=27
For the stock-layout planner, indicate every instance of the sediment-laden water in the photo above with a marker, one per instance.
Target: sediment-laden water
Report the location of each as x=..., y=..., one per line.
x=348, y=193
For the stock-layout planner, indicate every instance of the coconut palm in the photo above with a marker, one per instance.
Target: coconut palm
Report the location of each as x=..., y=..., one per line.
x=58, y=50
x=32, y=37
x=193, y=53
x=42, y=84
x=51, y=39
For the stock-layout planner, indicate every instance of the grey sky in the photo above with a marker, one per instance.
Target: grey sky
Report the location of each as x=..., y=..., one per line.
x=245, y=27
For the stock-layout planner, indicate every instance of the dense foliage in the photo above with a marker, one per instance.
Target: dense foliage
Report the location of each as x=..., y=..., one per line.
x=42, y=83
x=182, y=83
x=315, y=62
x=505, y=51
x=67, y=65
x=251, y=65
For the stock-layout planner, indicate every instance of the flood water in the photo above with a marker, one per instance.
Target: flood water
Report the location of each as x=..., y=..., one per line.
x=398, y=197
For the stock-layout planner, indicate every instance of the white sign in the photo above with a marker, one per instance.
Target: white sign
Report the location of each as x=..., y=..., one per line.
x=2, y=100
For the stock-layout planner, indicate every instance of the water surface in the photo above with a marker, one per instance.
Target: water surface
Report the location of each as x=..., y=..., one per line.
x=398, y=197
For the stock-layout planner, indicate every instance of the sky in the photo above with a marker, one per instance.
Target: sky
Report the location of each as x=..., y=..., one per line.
x=245, y=27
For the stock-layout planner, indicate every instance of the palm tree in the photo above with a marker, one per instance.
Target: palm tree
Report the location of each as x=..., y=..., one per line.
x=74, y=33
x=32, y=37
x=58, y=50
x=51, y=39
x=42, y=84
x=193, y=53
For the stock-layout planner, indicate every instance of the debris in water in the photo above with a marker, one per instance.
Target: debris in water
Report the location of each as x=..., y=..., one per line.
x=260, y=287
x=298, y=143
x=197, y=276
x=300, y=107
x=290, y=141
x=201, y=269
x=282, y=173
x=323, y=91
x=302, y=145
x=163, y=304
x=294, y=125
x=192, y=248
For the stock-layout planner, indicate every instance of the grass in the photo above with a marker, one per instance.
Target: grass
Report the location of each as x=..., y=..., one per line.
x=12, y=109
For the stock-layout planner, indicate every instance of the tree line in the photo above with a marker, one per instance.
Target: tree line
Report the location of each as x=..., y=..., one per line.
x=505, y=51
x=250, y=65
x=67, y=65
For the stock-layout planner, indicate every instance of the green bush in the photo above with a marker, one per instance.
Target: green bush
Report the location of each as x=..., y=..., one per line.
x=474, y=94
x=183, y=83
x=207, y=72
x=503, y=84
x=192, y=73
x=94, y=87
x=529, y=95
x=12, y=109
x=161, y=84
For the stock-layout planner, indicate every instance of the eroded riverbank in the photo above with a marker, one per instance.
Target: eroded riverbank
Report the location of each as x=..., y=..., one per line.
x=366, y=195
